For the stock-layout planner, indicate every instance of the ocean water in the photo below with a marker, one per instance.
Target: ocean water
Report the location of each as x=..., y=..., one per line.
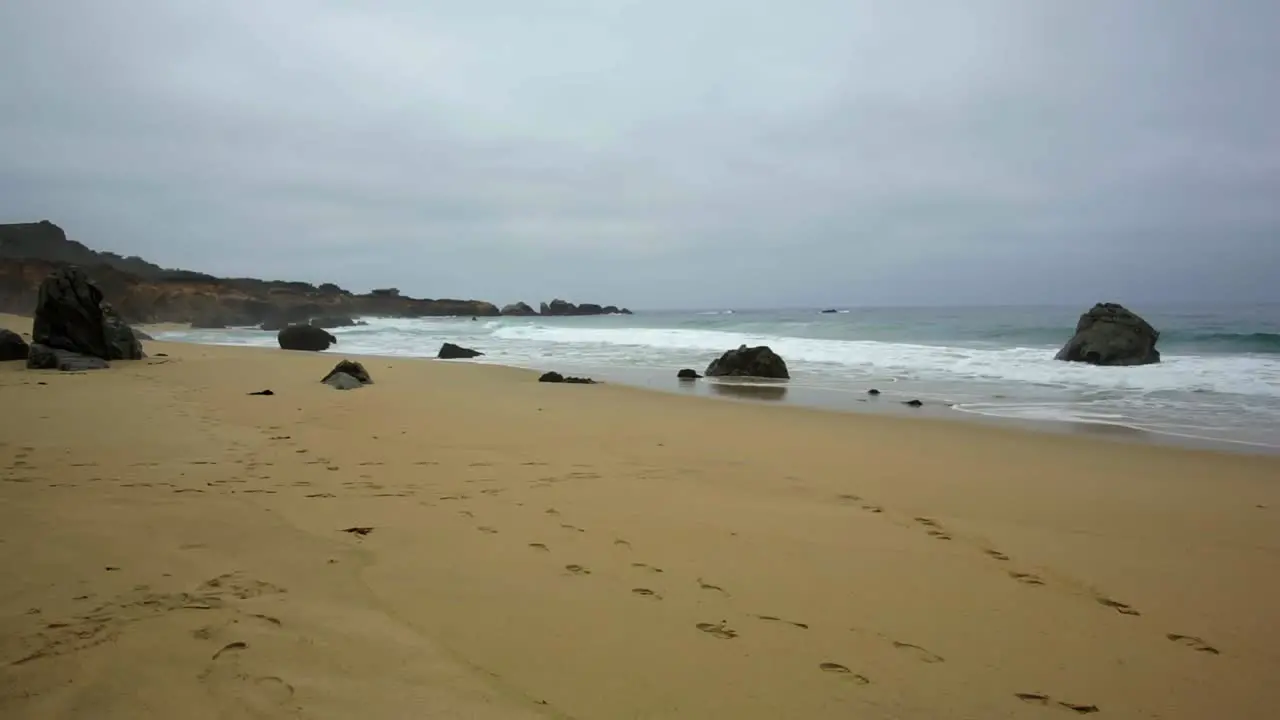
x=1219, y=379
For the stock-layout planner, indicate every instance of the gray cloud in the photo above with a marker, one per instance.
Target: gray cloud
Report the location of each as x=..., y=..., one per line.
x=662, y=153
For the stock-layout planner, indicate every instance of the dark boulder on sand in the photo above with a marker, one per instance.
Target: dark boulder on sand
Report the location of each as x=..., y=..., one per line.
x=1110, y=334
x=72, y=316
x=749, y=362
x=449, y=351
x=555, y=377
x=12, y=346
x=305, y=337
x=688, y=374
x=352, y=369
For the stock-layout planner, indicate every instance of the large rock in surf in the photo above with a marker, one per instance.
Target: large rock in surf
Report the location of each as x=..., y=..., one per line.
x=72, y=316
x=1110, y=334
x=305, y=337
x=749, y=362
x=449, y=351
x=12, y=346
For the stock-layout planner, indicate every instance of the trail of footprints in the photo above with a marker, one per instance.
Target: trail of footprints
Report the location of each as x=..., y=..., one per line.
x=934, y=529
x=721, y=629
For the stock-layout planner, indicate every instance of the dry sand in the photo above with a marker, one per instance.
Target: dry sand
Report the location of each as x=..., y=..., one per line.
x=172, y=547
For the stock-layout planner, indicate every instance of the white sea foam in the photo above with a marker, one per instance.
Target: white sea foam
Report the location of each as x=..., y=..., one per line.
x=1233, y=374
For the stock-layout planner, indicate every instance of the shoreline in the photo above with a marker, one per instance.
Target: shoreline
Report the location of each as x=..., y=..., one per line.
x=954, y=401
x=888, y=405
x=538, y=550
x=834, y=399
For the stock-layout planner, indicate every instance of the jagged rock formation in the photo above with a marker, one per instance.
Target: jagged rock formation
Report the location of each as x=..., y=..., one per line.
x=71, y=316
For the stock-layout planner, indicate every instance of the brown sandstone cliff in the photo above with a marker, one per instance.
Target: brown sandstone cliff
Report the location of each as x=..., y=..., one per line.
x=143, y=292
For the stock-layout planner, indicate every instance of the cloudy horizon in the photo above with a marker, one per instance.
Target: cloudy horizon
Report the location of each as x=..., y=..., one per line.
x=662, y=154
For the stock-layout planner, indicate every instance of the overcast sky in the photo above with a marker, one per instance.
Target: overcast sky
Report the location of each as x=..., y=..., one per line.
x=665, y=153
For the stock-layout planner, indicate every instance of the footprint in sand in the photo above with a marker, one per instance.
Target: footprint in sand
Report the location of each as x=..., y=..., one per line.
x=551, y=511
x=1045, y=700
x=708, y=586
x=1026, y=578
x=1193, y=642
x=774, y=618
x=719, y=630
x=621, y=543
x=854, y=498
x=1118, y=606
x=873, y=508
x=577, y=569
x=934, y=533
x=922, y=654
x=487, y=530
x=540, y=546
x=646, y=592
x=644, y=566
x=256, y=695
x=466, y=513
x=838, y=669
x=996, y=554
x=575, y=528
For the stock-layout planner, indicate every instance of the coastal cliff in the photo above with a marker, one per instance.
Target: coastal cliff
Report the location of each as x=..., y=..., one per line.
x=143, y=292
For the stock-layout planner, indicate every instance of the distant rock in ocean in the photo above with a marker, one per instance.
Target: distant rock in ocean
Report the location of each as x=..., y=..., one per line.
x=1110, y=334
x=520, y=309
x=563, y=308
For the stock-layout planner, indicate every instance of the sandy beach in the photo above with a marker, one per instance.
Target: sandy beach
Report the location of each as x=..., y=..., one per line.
x=175, y=547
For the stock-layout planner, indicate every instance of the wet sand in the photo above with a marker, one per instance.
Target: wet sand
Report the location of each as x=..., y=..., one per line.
x=175, y=547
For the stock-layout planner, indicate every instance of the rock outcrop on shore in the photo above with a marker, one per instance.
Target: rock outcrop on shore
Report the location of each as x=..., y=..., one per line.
x=759, y=362
x=563, y=308
x=143, y=292
x=1110, y=334
x=72, y=319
